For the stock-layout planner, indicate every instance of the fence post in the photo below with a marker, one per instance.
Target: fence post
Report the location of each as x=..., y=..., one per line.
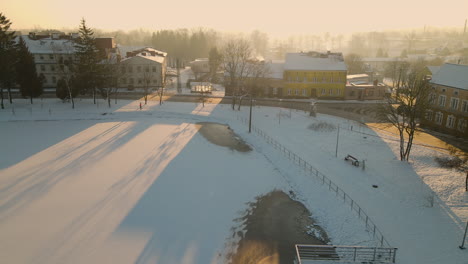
x=355, y=249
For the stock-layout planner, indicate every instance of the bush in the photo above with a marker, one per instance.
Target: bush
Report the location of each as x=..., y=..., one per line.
x=322, y=126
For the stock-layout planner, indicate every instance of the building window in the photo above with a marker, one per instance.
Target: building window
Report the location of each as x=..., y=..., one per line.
x=438, y=118
x=51, y=56
x=154, y=68
x=124, y=80
x=41, y=57
x=289, y=91
x=454, y=103
x=450, y=121
x=54, y=80
x=304, y=92
x=130, y=69
x=138, y=68
x=462, y=125
x=155, y=81
x=339, y=91
x=147, y=69
x=42, y=67
x=296, y=92
x=275, y=90
x=428, y=115
x=124, y=69
x=464, y=106
x=323, y=91
x=432, y=98
x=442, y=100
x=139, y=81
x=330, y=92
x=52, y=67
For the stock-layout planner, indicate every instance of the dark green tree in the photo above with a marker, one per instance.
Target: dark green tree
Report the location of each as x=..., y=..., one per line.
x=29, y=82
x=7, y=57
x=87, y=67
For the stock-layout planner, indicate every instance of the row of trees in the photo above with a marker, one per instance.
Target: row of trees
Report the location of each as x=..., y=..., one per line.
x=17, y=65
x=85, y=73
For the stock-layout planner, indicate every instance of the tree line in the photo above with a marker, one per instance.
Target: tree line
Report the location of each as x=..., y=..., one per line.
x=86, y=72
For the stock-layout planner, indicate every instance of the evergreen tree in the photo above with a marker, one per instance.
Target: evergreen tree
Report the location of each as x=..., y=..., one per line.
x=27, y=78
x=7, y=57
x=87, y=68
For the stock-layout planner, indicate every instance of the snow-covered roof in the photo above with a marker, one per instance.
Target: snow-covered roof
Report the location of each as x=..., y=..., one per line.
x=433, y=69
x=276, y=69
x=303, y=61
x=141, y=57
x=452, y=75
x=352, y=76
x=380, y=59
x=49, y=45
x=138, y=49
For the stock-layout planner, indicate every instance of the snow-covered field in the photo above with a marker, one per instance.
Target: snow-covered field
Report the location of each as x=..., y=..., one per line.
x=120, y=185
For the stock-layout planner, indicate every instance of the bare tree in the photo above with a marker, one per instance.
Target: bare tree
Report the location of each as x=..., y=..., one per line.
x=147, y=78
x=63, y=55
x=110, y=76
x=403, y=108
x=236, y=54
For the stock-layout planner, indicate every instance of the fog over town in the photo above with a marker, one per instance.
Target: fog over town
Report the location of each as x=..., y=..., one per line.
x=234, y=132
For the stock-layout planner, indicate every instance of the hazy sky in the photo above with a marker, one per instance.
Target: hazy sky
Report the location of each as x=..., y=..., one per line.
x=279, y=18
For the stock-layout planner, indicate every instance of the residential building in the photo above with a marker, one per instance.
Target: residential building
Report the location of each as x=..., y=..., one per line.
x=314, y=74
x=50, y=49
x=143, y=68
x=448, y=101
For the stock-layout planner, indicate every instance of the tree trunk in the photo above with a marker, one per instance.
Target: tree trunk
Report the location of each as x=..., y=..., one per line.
x=94, y=95
x=161, y=95
x=1, y=95
x=9, y=95
x=402, y=146
x=240, y=103
x=108, y=98
x=409, y=145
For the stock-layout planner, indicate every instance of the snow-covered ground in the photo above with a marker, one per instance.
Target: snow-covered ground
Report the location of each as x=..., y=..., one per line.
x=120, y=185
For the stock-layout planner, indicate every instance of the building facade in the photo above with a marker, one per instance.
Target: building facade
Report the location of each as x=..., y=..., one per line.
x=144, y=68
x=314, y=74
x=51, y=50
x=448, y=100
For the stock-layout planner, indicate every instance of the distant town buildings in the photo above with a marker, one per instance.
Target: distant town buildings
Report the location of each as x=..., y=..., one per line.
x=448, y=100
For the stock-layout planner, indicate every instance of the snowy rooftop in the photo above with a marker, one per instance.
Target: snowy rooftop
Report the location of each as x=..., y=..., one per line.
x=380, y=59
x=302, y=61
x=140, y=56
x=276, y=69
x=452, y=75
x=49, y=45
x=351, y=76
x=433, y=69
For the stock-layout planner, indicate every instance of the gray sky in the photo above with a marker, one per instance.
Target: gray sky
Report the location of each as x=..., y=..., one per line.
x=278, y=18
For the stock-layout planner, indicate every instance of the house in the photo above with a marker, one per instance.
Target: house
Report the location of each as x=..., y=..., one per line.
x=448, y=100
x=375, y=91
x=143, y=68
x=51, y=49
x=314, y=74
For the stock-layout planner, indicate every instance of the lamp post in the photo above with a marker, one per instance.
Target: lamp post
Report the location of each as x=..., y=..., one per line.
x=250, y=114
x=464, y=237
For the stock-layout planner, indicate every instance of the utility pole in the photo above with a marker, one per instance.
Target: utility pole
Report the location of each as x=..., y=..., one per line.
x=250, y=115
x=337, y=140
x=464, y=237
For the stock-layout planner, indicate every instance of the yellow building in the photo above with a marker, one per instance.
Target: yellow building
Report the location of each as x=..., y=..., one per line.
x=314, y=74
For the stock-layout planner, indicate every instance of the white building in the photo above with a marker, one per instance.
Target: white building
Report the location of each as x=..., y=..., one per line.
x=143, y=68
